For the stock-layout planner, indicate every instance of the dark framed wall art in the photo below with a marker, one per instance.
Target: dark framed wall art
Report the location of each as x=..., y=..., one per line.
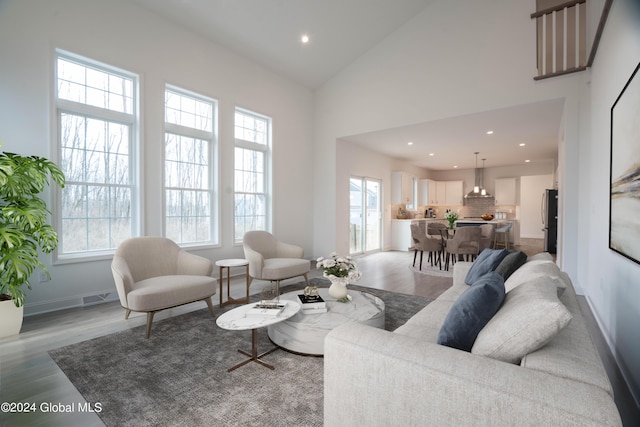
x=624, y=203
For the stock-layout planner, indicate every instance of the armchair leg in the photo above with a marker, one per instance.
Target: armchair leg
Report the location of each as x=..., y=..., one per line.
x=149, y=320
x=210, y=305
x=126, y=314
x=306, y=278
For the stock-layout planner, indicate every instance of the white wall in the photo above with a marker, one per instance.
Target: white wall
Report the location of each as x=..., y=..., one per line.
x=531, y=191
x=450, y=60
x=121, y=34
x=610, y=281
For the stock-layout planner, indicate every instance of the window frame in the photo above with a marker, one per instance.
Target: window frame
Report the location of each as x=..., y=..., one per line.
x=86, y=111
x=266, y=149
x=214, y=167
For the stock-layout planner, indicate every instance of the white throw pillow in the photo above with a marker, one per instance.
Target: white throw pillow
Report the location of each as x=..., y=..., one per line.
x=530, y=317
x=532, y=269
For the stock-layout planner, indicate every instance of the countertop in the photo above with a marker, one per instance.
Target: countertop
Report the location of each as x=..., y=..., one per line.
x=418, y=219
x=482, y=221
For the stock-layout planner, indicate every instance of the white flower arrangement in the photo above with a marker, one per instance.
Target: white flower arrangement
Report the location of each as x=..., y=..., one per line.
x=338, y=267
x=451, y=216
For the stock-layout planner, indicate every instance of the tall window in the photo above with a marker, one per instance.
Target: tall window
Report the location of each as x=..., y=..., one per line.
x=251, y=173
x=96, y=109
x=189, y=155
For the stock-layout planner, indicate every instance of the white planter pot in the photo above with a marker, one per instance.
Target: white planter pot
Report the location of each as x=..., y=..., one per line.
x=10, y=319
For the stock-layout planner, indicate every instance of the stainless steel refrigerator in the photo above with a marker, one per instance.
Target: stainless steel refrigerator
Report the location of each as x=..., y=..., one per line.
x=549, y=213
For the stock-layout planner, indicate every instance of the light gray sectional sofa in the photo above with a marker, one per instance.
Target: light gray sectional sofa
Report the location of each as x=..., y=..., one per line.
x=533, y=364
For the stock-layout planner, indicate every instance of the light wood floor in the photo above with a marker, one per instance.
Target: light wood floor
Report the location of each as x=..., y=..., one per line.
x=28, y=374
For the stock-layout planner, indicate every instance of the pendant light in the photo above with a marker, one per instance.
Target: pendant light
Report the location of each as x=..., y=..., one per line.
x=483, y=192
x=476, y=187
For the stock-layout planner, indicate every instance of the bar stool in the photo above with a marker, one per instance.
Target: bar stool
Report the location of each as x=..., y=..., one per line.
x=501, y=236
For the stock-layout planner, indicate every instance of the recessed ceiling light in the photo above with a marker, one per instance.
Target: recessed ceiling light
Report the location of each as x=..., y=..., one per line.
x=455, y=166
x=527, y=161
x=409, y=143
x=432, y=154
x=489, y=132
x=304, y=39
x=522, y=144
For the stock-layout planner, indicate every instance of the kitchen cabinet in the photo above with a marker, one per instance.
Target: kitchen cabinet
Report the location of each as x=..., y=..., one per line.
x=402, y=188
x=506, y=191
x=453, y=193
x=428, y=192
x=441, y=193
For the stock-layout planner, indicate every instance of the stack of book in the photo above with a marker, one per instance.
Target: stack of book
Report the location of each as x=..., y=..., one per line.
x=267, y=310
x=312, y=304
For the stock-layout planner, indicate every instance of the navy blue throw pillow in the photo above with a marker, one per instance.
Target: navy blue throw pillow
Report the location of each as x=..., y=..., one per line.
x=487, y=261
x=511, y=263
x=472, y=311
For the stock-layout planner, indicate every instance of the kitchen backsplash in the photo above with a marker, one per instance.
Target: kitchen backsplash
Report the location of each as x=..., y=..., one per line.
x=473, y=208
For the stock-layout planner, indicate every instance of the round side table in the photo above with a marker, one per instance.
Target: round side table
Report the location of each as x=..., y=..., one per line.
x=228, y=264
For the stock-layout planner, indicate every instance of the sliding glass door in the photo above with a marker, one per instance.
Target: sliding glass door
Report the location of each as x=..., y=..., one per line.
x=365, y=215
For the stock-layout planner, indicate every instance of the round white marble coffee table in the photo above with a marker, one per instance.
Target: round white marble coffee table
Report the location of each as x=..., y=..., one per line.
x=237, y=320
x=305, y=333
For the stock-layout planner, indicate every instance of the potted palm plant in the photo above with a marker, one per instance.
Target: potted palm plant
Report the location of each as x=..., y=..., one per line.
x=23, y=230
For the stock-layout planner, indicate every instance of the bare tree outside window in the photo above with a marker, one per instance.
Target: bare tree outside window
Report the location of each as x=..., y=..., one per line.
x=189, y=189
x=251, y=173
x=96, y=122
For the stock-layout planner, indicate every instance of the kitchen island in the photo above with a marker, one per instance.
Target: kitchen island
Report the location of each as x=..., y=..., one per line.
x=468, y=222
x=401, y=232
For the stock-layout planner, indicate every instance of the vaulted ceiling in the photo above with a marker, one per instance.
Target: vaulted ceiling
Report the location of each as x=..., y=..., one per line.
x=269, y=32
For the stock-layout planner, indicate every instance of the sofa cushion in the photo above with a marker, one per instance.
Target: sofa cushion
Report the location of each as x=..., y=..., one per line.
x=531, y=315
x=511, y=263
x=487, y=261
x=541, y=256
x=471, y=312
x=531, y=269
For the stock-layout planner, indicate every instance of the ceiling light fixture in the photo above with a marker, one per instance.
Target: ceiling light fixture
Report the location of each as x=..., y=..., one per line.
x=409, y=143
x=489, y=132
x=527, y=161
x=432, y=154
x=522, y=144
x=304, y=39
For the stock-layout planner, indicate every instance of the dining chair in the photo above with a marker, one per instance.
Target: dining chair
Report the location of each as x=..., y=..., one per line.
x=464, y=243
x=487, y=235
x=423, y=243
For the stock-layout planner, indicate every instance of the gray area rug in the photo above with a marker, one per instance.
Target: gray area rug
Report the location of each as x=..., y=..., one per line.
x=178, y=377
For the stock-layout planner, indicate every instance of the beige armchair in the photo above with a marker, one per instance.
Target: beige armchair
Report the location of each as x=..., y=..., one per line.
x=154, y=273
x=270, y=259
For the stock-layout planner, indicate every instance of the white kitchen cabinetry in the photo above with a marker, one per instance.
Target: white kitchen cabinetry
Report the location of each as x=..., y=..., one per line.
x=401, y=188
x=441, y=193
x=454, y=193
x=401, y=235
x=506, y=191
x=428, y=190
